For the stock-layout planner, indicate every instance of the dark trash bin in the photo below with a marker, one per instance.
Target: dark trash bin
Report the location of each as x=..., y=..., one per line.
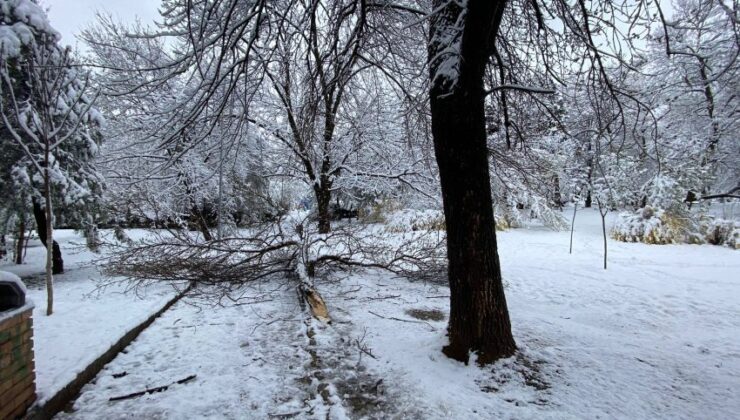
x=12, y=293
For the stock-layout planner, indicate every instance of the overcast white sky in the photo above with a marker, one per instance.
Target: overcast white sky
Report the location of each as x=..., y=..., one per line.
x=70, y=16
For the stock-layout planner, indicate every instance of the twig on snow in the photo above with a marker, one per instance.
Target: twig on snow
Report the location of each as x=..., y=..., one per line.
x=404, y=320
x=152, y=390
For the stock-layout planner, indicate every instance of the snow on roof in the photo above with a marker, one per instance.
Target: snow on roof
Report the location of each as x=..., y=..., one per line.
x=12, y=278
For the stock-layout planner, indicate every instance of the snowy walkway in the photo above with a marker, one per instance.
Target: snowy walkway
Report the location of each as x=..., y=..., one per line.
x=655, y=336
x=87, y=319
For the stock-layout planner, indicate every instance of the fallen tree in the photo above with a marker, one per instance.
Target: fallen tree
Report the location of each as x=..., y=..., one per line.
x=290, y=249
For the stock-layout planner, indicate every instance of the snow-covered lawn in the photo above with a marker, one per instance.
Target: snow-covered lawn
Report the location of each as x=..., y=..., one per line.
x=657, y=335
x=87, y=319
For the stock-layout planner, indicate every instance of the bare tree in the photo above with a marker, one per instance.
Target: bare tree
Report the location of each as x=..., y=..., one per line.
x=461, y=43
x=50, y=118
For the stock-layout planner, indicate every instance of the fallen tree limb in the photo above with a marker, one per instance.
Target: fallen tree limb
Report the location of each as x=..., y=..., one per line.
x=383, y=297
x=152, y=390
x=316, y=303
x=393, y=318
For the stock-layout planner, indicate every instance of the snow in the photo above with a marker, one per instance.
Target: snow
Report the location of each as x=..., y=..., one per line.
x=89, y=315
x=10, y=42
x=654, y=336
x=247, y=358
x=6, y=277
x=12, y=278
x=446, y=43
x=29, y=18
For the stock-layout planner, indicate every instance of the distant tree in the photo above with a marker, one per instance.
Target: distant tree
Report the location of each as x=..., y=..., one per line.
x=692, y=74
x=296, y=81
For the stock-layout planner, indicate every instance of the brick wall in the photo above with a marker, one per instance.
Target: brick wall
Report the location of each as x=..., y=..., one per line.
x=17, y=378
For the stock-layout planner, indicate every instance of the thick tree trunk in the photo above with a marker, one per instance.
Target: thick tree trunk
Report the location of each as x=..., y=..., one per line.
x=323, y=204
x=557, y=196
x=200, y=221
x=479, y=318
x=40, y=215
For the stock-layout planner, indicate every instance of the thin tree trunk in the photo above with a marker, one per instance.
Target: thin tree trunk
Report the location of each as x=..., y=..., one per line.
x=711, y=150
x=572, y=226
x=602, y=213
x=557, y=196
x=49, y=235
x=590, y=164
x=603, y=229
x=479, y=318
x=19, y=243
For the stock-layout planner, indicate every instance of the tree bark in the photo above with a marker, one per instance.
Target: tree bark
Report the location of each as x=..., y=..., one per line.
x=19, y=243
x=479, y=318
x=590, y=163
x=200, y=221
x=41, y=221
x=323, y=203
x=49, y=238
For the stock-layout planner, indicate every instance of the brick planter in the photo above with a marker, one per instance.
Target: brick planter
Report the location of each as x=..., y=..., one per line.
x=17, y=378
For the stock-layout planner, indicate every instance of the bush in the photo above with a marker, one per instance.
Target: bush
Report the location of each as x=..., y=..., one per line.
x=377, y=211
x=658, y=226
x=507, y=218
x=415, y=220
x=722, y=232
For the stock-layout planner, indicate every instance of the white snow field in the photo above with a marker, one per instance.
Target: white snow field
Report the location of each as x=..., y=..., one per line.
x=656, y=336
x=88, y=318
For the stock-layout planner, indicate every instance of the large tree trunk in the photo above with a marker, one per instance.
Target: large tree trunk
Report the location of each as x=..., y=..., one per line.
x=40, y=215
x=200, y=221
x=479, y=318
x=323, y=203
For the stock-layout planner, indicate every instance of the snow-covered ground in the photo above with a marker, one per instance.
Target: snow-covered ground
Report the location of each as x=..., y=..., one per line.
x=88, y=318
x=654, y=336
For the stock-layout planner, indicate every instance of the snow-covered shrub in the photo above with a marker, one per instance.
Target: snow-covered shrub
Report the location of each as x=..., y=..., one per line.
x=722, y=232
x=659, y=226
x=409, y=220
x=379, y=210
x=511, y=216
x=664, y=192
x=507, y=217
x=656, y=226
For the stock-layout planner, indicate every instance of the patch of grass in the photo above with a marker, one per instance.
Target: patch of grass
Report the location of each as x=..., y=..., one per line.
x=426, y=314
